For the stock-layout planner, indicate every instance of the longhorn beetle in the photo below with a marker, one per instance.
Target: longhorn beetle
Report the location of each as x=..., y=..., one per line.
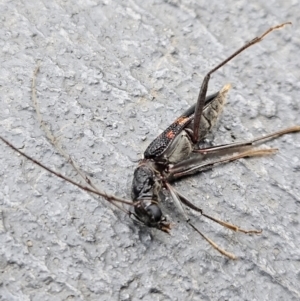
x=174, y=154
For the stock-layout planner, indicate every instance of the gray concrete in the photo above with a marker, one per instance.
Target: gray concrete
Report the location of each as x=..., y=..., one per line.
x=113, y=76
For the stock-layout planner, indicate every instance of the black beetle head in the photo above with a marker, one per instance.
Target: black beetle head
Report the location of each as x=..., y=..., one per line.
x=149, y=213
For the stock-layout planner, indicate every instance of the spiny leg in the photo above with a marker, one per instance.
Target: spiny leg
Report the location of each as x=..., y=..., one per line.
x=203, y=89
x=195, y=165
x=213, y=244
x=176, y=197
x=230, y=226
x=252, y=142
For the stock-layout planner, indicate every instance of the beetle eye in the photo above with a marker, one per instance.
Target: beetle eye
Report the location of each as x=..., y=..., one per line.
x=154, y=213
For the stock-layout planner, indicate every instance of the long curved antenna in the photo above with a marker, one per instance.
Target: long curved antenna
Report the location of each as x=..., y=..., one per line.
x=110, y=198
x=53, y=140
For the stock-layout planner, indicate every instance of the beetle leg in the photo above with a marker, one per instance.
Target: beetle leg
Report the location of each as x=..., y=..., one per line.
x=252, y=142
x=177, y=199
x=195, y=165
x=232, y=227
x=203, y=89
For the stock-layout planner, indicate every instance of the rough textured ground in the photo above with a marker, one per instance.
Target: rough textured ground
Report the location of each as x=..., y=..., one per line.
x=113, y=75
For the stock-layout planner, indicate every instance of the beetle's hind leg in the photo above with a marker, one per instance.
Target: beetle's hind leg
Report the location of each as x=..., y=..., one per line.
x=202, y=93
x=219, y=149
x=210, y=114
x=195, y=165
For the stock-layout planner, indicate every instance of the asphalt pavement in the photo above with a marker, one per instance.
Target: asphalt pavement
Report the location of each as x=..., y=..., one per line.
x=113, y=75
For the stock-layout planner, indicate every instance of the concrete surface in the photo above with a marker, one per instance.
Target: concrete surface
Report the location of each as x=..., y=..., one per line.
x=113, y=75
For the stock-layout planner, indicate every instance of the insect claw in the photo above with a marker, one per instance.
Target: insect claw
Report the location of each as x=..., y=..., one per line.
x=166, y=228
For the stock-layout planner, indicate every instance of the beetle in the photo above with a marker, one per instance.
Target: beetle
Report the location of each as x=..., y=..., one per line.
x=174, y=154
